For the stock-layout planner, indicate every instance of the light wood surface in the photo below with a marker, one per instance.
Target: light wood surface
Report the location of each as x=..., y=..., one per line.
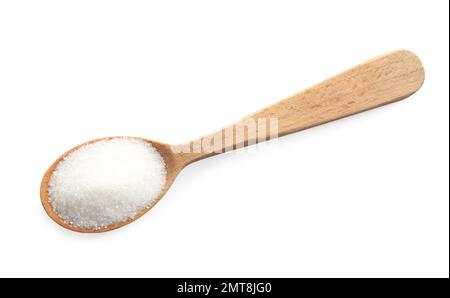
x=382, y=80
x=379, y=81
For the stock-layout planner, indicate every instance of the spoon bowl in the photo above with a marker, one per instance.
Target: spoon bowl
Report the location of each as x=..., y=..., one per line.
x=174, y=164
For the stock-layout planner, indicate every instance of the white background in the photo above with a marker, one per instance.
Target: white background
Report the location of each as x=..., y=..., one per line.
x=366, y=196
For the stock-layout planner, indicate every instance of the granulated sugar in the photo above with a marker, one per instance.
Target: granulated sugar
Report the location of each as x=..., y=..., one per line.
x=106, y=182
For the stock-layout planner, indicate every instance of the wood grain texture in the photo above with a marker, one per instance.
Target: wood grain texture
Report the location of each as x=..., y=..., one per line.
x=377, y=82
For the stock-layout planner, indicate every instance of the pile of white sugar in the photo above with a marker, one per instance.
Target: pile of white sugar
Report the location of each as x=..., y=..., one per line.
x=106, y=182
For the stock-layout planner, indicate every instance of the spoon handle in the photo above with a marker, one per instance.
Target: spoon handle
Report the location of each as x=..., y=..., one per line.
x=382, y=80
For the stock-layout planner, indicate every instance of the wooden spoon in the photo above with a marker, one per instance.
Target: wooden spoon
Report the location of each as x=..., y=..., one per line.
x=382, y=80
